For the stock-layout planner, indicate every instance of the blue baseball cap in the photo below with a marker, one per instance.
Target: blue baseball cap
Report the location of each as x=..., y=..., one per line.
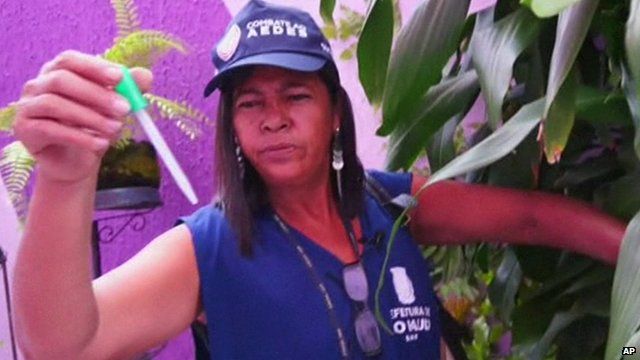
x=267, y=34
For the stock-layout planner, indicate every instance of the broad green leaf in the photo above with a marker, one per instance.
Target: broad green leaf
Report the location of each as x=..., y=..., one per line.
x=504, y=287
x=494, y=51
x=443, y=101
x=495, y=146
x=547, y=8
x=625, y=297
x=374, y=48
x=326, y=10
x=632, y=78
x=633, y=99
x=602, y=107
x=7, y=116
x=557, y=125
x=632, y=41
x=572, y=27
x=634, y=341
x=422, y=48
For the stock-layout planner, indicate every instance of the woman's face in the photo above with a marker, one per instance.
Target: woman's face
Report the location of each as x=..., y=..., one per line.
x=284, y=121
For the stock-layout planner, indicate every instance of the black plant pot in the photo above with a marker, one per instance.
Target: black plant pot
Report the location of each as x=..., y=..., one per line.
x=129, y=178
x=134, y=165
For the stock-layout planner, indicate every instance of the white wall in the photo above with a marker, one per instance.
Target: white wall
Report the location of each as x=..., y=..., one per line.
x=9, y=236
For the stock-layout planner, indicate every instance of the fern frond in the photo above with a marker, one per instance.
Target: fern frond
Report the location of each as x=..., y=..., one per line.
x=16, y=166
x=126, y=17
x=7, y=117
x=187, y=118
x=143, y=48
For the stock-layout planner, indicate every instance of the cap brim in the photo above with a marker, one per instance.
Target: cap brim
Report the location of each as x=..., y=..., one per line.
x=291, y=61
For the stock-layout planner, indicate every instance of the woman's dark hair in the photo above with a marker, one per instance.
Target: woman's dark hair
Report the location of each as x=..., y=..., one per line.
x=243, y=196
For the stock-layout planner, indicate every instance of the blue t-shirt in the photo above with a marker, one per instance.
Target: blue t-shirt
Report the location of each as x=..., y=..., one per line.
x=267, y=306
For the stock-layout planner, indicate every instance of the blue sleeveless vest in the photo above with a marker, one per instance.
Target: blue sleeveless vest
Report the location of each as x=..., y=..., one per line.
x=267, y=307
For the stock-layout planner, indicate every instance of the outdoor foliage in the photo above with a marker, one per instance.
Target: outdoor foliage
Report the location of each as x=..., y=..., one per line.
x=569, y=69
x=132, y=47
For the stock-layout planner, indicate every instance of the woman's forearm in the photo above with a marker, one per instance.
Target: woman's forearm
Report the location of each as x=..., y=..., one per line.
x=55, y=307
x=451, y=213
x=573, y=225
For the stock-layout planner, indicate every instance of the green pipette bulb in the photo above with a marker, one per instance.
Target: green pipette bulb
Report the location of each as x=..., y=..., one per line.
x=129, y=90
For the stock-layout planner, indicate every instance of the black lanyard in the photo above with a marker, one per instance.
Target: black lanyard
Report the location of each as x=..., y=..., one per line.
x=342, y=342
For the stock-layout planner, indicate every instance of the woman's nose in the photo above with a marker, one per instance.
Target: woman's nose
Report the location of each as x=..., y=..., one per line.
x=275, y=118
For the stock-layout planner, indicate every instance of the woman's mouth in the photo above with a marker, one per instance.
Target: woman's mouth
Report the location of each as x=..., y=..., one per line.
x=278, y=152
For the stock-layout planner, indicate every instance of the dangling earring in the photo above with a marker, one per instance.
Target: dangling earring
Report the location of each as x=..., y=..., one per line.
x=337, y=162
x=239, y=157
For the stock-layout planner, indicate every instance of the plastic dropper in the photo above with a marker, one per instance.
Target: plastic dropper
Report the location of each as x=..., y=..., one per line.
x=129, y=90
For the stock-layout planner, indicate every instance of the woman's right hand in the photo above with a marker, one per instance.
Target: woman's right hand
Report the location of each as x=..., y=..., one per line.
x=69, y=114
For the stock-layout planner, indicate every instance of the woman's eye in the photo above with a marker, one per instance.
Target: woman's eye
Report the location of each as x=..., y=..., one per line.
x=248, y=104
x=299, y=97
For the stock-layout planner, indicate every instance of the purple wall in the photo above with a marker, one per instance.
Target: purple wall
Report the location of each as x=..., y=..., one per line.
x=31, y=32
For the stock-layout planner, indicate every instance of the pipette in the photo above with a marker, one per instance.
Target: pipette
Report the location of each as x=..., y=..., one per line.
x=128, y=89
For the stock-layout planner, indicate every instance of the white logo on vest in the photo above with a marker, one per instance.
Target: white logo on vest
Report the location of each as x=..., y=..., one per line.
x=408, y=320
x=229, y=44
x=403, y=285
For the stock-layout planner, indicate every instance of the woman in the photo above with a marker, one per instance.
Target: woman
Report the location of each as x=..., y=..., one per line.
x=285, y=268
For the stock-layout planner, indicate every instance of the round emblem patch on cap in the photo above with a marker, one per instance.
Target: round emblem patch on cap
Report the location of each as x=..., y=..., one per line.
x=229, y=43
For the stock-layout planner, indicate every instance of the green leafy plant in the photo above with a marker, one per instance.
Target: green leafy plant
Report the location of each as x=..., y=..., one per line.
x=132, y=47
x=571, y=70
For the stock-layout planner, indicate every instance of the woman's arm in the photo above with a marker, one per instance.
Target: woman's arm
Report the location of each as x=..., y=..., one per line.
x=65, y=118
x=451, y=213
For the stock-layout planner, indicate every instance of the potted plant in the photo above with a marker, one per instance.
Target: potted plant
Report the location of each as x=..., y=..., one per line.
x=128, y=163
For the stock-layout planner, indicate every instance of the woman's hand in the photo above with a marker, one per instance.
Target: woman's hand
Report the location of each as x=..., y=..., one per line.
x=69, y=114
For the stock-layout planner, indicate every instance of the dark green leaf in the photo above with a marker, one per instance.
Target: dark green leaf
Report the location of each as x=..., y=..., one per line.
x=538, y=263
x=520, y=168
x=573, y=24
x=326, y=10
x=593, y=278
x=602, y=107
x=496, y=145
x=620, y=198
x=547, y=8
x=503, y=289
x=443, y=101
x=558, y=124
x=587, y=172
x=568, y=269
x=421, y=50
x=560, y=321
x=374, y=48
x=440, y=147
x=625, y=297
x=494, y=51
